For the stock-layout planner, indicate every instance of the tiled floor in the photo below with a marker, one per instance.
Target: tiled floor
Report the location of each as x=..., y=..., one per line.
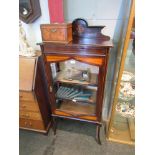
x=72, y=138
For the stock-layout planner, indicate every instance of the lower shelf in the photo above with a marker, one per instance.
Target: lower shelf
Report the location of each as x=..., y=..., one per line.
x=77, y=108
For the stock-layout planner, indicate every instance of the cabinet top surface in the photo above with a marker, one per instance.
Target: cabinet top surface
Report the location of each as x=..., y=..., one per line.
x=84, y=36
x=83, y=42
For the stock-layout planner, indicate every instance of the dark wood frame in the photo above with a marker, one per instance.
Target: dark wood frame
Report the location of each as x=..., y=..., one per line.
x=88, y=42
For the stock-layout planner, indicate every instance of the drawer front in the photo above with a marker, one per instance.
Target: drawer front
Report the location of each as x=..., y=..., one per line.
x=26, y=96
x=30, y=115
x=29, y=106
x=53, y=34
x=31, y=124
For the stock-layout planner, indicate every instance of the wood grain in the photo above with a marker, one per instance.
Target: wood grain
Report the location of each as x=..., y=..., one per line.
x=30, y=115
x=90, y=60
x=77, y=108
x=31, y=124
x=26, y=96
x=55, y=58
x=131, y=123
x=28, y=106
x=60, y=33
x=61, y=113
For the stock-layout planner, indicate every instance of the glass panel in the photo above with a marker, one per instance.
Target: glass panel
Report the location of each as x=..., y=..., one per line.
x=123, y=125
x=75, y=86
x=25, y=7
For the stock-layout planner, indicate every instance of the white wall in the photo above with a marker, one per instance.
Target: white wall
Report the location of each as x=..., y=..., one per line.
x=97, y=12
x=33, y=30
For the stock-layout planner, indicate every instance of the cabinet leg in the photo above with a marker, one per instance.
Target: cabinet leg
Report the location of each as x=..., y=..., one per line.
x=54, y=125
x=98, y=134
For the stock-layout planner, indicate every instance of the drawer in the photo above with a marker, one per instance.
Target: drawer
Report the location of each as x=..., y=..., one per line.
x=29, y=106
x=30, y=115
x=56, y=32
x=31, y=124
x=26, y=96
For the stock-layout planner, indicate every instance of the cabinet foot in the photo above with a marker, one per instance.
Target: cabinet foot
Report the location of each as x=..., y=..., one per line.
x=98, y=134
x=54, y=125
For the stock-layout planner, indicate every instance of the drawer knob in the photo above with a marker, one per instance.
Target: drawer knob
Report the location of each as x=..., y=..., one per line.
x=30, y=124
x=27, y=115
x=53, y=30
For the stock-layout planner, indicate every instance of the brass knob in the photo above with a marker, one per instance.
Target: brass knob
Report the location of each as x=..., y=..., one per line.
x=53, y=30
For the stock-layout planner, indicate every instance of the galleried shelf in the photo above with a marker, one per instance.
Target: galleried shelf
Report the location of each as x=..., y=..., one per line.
x=76, y=74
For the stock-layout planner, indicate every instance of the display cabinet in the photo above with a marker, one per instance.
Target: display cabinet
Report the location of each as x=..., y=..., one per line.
x=121, y=127
x=76, y=74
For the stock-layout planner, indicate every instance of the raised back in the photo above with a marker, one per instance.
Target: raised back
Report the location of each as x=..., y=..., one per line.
x=82, y=30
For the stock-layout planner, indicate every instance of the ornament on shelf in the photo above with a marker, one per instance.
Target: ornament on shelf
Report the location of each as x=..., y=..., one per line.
x=126, y=109
x=125, y=106
x=24, y=47
x=126, y=91
x=127, y=76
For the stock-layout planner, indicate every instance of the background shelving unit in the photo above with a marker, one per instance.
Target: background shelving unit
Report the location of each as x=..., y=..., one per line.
x=121, y=127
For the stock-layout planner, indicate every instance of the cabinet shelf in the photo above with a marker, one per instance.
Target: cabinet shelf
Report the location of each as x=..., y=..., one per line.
x=77, y=108
x=90, y=101
x=76, y=94
x=92, y=82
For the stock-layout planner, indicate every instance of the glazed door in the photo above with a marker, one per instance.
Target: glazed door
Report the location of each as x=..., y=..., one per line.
x=76, y=86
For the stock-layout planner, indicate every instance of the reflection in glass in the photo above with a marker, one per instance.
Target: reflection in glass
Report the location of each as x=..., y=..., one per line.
x=24, y=7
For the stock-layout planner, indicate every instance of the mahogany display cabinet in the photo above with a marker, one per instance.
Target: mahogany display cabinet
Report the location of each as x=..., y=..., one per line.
x=76, y=74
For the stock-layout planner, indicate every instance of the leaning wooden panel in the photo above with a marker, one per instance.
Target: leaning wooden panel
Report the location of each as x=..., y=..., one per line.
x=26, y=73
